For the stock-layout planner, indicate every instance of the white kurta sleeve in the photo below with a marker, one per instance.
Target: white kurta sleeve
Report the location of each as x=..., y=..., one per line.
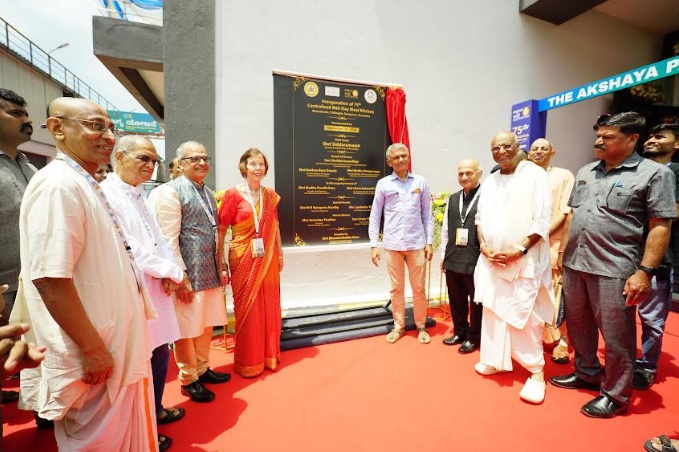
x=168, y=210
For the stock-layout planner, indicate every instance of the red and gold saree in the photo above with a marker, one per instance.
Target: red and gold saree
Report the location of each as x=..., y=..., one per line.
x=255, y=281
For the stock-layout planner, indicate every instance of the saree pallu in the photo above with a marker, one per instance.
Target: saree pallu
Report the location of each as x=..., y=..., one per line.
x=255, y=282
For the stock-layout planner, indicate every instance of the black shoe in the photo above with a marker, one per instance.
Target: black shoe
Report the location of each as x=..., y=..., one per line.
x=467, y=347
x=42, y=424
x=643, y=378
x=10, y=396
x=164, y=442
x=572, y=381
x=197, y=392
x=453, y=340
x=210, y=376
x=603, y=407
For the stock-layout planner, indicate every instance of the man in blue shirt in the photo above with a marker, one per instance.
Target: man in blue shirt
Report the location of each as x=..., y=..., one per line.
x=662, y=144
x=403, y=199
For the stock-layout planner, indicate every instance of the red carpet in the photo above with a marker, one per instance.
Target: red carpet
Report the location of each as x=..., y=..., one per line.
x=367, y=395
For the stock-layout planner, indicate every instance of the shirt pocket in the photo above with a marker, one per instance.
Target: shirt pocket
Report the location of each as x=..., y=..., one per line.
x=618, y=200
x=579, y=195
x=10, y=197
x=412, y=199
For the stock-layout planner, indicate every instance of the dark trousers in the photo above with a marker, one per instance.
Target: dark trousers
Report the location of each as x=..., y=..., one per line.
x=595, y=303
x=159, y=361
x=466, y=314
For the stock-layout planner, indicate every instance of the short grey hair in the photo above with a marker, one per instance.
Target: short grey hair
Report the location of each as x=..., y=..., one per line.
x=184, y=148
x=395, y=147
x=128, y=143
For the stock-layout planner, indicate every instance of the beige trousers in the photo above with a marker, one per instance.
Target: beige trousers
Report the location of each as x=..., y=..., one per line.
x=192, y=356
x=397, y=261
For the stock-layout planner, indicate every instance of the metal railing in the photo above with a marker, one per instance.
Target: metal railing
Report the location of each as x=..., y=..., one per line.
x=23, y=48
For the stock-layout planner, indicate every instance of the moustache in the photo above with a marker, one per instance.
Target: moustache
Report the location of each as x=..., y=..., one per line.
x=27, y=127
x=600, y=147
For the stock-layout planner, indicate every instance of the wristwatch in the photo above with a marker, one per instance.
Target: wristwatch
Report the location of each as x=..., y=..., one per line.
x=649, y=270
x=522, y=249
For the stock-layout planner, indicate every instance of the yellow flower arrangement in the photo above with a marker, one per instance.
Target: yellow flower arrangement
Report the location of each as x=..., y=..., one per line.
x=439, y=201
x=648, y=92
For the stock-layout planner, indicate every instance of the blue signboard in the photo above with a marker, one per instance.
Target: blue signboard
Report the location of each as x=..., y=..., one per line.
x=528, y=123
x=644, y=74
x=130, y=122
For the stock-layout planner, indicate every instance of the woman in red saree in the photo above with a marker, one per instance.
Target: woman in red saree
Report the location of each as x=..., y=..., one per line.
x=255, y=260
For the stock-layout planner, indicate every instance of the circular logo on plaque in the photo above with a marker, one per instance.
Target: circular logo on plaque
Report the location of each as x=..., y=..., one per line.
x=526, y=112
x=370, y=96
x=311, y=89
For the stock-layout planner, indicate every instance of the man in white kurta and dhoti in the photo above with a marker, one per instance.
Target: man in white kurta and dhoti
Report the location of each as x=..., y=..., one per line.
x=513, y=274
x=187, y=213
x=134, y=161
x=83, y=295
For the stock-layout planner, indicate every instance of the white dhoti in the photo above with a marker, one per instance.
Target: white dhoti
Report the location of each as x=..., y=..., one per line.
x=517, y=296
x=500, y=342
x=94, y=423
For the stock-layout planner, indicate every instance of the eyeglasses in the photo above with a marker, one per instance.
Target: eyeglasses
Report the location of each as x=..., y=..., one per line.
x=505, y=147
x=94, y=126
x=197, y=158
x=143, y=158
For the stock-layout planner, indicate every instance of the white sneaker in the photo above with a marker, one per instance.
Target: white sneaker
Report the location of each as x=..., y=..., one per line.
x=533, y=391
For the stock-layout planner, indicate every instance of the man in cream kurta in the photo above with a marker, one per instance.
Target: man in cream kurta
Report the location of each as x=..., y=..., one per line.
x=134, y=162
x=81, y=294
x=513, y=277
x=560, y=184
x=187, y=214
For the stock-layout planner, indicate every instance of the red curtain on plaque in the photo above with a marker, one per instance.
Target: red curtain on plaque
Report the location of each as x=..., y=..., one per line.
x=396, y=119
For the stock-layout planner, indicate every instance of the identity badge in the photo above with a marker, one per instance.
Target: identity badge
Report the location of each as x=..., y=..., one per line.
x=258, y=247
x=461, y=236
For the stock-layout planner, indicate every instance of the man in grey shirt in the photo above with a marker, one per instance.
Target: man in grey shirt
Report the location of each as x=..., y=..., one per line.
x=606, y=271
x=15, y=172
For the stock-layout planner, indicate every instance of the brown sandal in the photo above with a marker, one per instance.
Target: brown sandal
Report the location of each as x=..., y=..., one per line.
x=665, y=442
x=560, y=354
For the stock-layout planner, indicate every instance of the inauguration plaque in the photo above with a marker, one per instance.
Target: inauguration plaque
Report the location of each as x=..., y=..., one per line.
x=330, y=143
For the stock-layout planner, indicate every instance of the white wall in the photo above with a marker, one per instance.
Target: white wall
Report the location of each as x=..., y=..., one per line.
x=462, y=69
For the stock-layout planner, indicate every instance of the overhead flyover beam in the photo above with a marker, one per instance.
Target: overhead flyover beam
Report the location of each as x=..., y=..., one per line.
x=126, y=48
x=556, y=11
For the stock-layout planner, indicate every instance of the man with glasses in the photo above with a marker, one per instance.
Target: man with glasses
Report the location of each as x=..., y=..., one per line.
x=404, y=200
x=513, y=280
x=607, y=271
x=187, y=213
x=135, y=160
x=459, y=255
x=82, y=292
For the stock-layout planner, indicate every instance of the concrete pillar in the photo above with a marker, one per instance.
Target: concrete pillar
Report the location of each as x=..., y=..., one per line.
x=189, y=72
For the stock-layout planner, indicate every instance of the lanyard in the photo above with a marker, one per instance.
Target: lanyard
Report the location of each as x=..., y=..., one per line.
x=142, y=210
x=93, y=183
x=464, y=217
x=252, y=204
x=208, y=210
